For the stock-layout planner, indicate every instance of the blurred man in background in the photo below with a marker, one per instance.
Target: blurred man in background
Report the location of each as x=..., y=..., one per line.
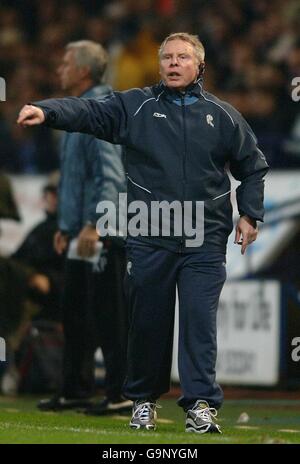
x=8, y=206
x=37, y=251
x=94, y=312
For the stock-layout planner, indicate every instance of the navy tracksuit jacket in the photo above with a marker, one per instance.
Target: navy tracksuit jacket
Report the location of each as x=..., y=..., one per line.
x=178, y=147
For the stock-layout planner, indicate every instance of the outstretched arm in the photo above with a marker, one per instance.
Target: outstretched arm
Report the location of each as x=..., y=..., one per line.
x=105, y=119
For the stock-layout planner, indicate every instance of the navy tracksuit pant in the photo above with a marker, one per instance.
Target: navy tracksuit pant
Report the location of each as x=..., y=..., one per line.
x=94, y=314
x=151, y=279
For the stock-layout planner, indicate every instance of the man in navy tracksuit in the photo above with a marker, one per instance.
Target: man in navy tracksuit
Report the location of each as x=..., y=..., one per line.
x=179, y=140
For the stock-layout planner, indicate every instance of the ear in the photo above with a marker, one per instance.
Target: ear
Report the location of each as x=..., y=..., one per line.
x=201, y=69
x=85, y=71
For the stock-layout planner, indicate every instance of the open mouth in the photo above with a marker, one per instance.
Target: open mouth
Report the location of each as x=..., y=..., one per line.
x=173, y=74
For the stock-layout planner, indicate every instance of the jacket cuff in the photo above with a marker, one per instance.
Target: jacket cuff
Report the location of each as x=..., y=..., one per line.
x=250, y=217
x=50, y=115
x=90, y=223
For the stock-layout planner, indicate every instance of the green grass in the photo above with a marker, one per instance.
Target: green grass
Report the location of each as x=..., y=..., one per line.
x=269, y=422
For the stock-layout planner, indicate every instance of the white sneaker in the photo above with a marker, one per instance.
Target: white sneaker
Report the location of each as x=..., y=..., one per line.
x=200, y=419
x=144, y=415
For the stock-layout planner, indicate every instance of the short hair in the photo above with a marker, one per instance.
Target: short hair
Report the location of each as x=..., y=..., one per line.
x=50, y=188
x=186, y=37
x=91, y=54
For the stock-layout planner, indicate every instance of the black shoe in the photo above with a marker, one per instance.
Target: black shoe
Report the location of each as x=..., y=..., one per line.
x=200, y=419
x=108, y=406
x=60, y=403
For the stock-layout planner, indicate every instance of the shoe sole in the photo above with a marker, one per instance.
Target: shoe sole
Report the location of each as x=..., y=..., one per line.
x=144, y=427
x=63, y=407
x=111, y=408
x=107, y=412
x=119, y=406
x=214, y=429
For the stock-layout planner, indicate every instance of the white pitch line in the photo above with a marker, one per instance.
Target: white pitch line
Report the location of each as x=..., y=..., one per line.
x=246, y=427
x=289, y=430
x=8, y=425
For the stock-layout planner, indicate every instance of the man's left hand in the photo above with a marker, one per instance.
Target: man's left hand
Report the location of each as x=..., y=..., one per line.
x=87, y=240
x=245, y=232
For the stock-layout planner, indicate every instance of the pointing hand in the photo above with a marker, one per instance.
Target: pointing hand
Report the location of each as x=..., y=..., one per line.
x=30, y=116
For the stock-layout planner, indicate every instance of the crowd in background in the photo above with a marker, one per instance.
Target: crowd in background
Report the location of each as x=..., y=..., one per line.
x=252, y=54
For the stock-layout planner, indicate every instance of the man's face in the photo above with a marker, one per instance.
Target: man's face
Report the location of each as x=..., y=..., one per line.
x=50, y=202
x=178, y=64
x=68, y=72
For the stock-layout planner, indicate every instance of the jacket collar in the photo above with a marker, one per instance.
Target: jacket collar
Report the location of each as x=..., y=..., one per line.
x=195, y=88
x=97, y=91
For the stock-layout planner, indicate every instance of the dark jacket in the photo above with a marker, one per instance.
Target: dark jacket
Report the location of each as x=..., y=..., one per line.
x=14, y=288
x=91, y=171
x=178, y=146
x=37, y=251
x=8, y=206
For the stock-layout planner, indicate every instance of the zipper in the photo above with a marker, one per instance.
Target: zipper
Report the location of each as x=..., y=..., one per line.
x=183, y=166
x=184, y=138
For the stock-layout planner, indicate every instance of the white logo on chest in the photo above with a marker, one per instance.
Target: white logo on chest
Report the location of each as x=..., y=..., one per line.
x=209, y=120
x=159, y=115
x=129, y=266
